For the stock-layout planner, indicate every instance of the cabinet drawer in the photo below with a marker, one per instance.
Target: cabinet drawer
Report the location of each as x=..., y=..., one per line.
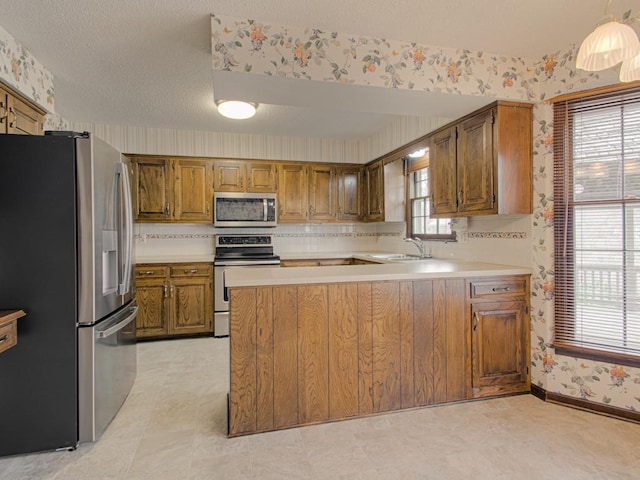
x=495, y=288
x=8, y=335
x=191, y=270
x=151, y=271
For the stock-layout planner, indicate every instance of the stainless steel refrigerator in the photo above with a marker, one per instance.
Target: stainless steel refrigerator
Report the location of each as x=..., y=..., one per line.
x=66, y=250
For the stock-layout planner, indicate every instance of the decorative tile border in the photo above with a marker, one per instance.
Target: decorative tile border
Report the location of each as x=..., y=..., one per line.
x=174, y=236
x=501, y=235
x=167, y=236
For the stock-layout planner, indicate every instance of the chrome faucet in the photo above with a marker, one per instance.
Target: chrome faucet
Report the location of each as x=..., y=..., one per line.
x=420, y=244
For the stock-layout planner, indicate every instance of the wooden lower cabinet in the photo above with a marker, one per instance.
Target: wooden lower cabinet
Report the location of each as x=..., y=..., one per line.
x=313, y=353
x=174, y=299
x=499, y=319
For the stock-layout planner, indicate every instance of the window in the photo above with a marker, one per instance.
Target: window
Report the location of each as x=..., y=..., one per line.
x=597, y=226
x=420, y=224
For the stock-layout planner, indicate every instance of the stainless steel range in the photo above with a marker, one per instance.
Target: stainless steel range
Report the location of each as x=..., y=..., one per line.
x=237, y=251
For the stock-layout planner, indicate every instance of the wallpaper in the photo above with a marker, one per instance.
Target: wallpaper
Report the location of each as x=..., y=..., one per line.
x=22, y=71
x=253, y=47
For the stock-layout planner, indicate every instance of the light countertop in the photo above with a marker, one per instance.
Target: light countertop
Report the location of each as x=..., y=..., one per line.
x=425, y=269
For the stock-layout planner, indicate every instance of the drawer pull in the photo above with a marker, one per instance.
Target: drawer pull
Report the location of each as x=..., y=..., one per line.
x=193, y=270
x=500, y=289
x=476, y=321
x=4, y=338
x=147, y=272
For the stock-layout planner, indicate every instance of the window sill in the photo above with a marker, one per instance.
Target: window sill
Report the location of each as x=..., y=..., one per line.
x=617, y=358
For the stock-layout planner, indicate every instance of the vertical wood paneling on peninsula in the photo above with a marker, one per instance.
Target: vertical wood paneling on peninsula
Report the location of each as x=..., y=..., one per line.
x=285, y=356
x=243, y=359
x=264, y=357
x=313, y=353
x=386, y=346
x=343, y=350
x=310, y=353
x=365, y=349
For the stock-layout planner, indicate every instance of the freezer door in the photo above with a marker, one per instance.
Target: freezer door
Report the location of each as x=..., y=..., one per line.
x=107, y=369
x=105, y=229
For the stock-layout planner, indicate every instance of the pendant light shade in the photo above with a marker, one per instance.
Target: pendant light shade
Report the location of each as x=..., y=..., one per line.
x=236, y=109
x=608, y=45
x=630, y=70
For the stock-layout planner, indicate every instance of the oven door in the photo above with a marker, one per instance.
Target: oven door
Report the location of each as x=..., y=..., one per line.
x=221, y=293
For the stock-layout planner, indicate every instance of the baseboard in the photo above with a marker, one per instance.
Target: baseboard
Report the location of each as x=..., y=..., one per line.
x=586, y=405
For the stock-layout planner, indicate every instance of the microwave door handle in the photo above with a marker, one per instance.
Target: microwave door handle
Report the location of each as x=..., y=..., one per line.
x=265, y=209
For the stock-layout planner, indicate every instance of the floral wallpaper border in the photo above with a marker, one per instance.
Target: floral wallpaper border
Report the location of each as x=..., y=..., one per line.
x=22, y=71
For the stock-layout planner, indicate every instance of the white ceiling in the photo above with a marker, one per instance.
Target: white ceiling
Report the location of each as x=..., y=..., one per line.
x=148, y=62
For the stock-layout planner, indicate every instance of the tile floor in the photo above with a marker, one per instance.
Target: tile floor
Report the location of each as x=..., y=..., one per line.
x=172, y=427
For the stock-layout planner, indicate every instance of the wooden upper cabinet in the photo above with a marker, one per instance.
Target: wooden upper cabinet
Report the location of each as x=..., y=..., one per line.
x=292, y=193
x=350, y=193
x=322, y=193
x=442, y=166
x=482, y=163
x=18, y=116
x=374, y=192
x=243, y=176
x=172, y=190
x=475, y=169
x=192, y=189
x=262, y=177
x=152, y=192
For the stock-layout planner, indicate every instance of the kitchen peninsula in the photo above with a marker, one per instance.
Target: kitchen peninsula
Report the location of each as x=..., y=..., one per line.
x=317, y=344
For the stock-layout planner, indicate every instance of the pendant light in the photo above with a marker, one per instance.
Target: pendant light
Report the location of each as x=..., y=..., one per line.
x=609, y=44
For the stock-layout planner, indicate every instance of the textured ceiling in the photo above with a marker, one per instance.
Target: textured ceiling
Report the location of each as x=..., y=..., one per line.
x=148, y=63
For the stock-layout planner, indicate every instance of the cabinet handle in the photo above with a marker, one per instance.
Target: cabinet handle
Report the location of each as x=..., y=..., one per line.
x=147, y=272
x=311, y=209
x=476, y=321
x=4, y=338
x=460, y=197
x=241, y=183
x=500, y=289
x=15, y=117
x=172, y=290
x=248, y=182
x=193, y=270
x=166, y=209
x=208, y=209
x=3, y=109
x=164, y=288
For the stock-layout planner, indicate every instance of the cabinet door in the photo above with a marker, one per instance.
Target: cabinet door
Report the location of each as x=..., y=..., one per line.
x=292, y=193
x=152, y=189
x=152, y=295
x=22, y=118
x=442, y=177
x=193, y=195
x=499, y=344
x=322, y=193
x=191, y=305
x=229, y=176
x=374, y=204
x=349, y=193
x=261, y=177
x=476, y=164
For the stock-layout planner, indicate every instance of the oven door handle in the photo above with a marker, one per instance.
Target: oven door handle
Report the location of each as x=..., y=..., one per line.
x=225, y=290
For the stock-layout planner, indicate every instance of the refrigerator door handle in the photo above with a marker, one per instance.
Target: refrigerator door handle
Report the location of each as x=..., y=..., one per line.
x=125, y=280
x=118, y=326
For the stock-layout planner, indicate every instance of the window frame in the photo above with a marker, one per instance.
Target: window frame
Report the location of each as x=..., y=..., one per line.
x=565, y=341
x=414, y=167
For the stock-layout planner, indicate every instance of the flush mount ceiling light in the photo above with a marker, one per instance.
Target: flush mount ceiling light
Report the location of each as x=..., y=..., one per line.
x=609, y=44
x=236, y=109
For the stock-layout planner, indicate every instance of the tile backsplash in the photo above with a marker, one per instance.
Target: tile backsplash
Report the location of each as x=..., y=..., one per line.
x=494, y=239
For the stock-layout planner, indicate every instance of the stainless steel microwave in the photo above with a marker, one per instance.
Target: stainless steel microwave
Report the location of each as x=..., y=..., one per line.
x=232, y=209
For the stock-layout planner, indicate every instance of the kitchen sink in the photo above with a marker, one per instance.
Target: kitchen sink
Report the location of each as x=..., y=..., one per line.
x=398, y=257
